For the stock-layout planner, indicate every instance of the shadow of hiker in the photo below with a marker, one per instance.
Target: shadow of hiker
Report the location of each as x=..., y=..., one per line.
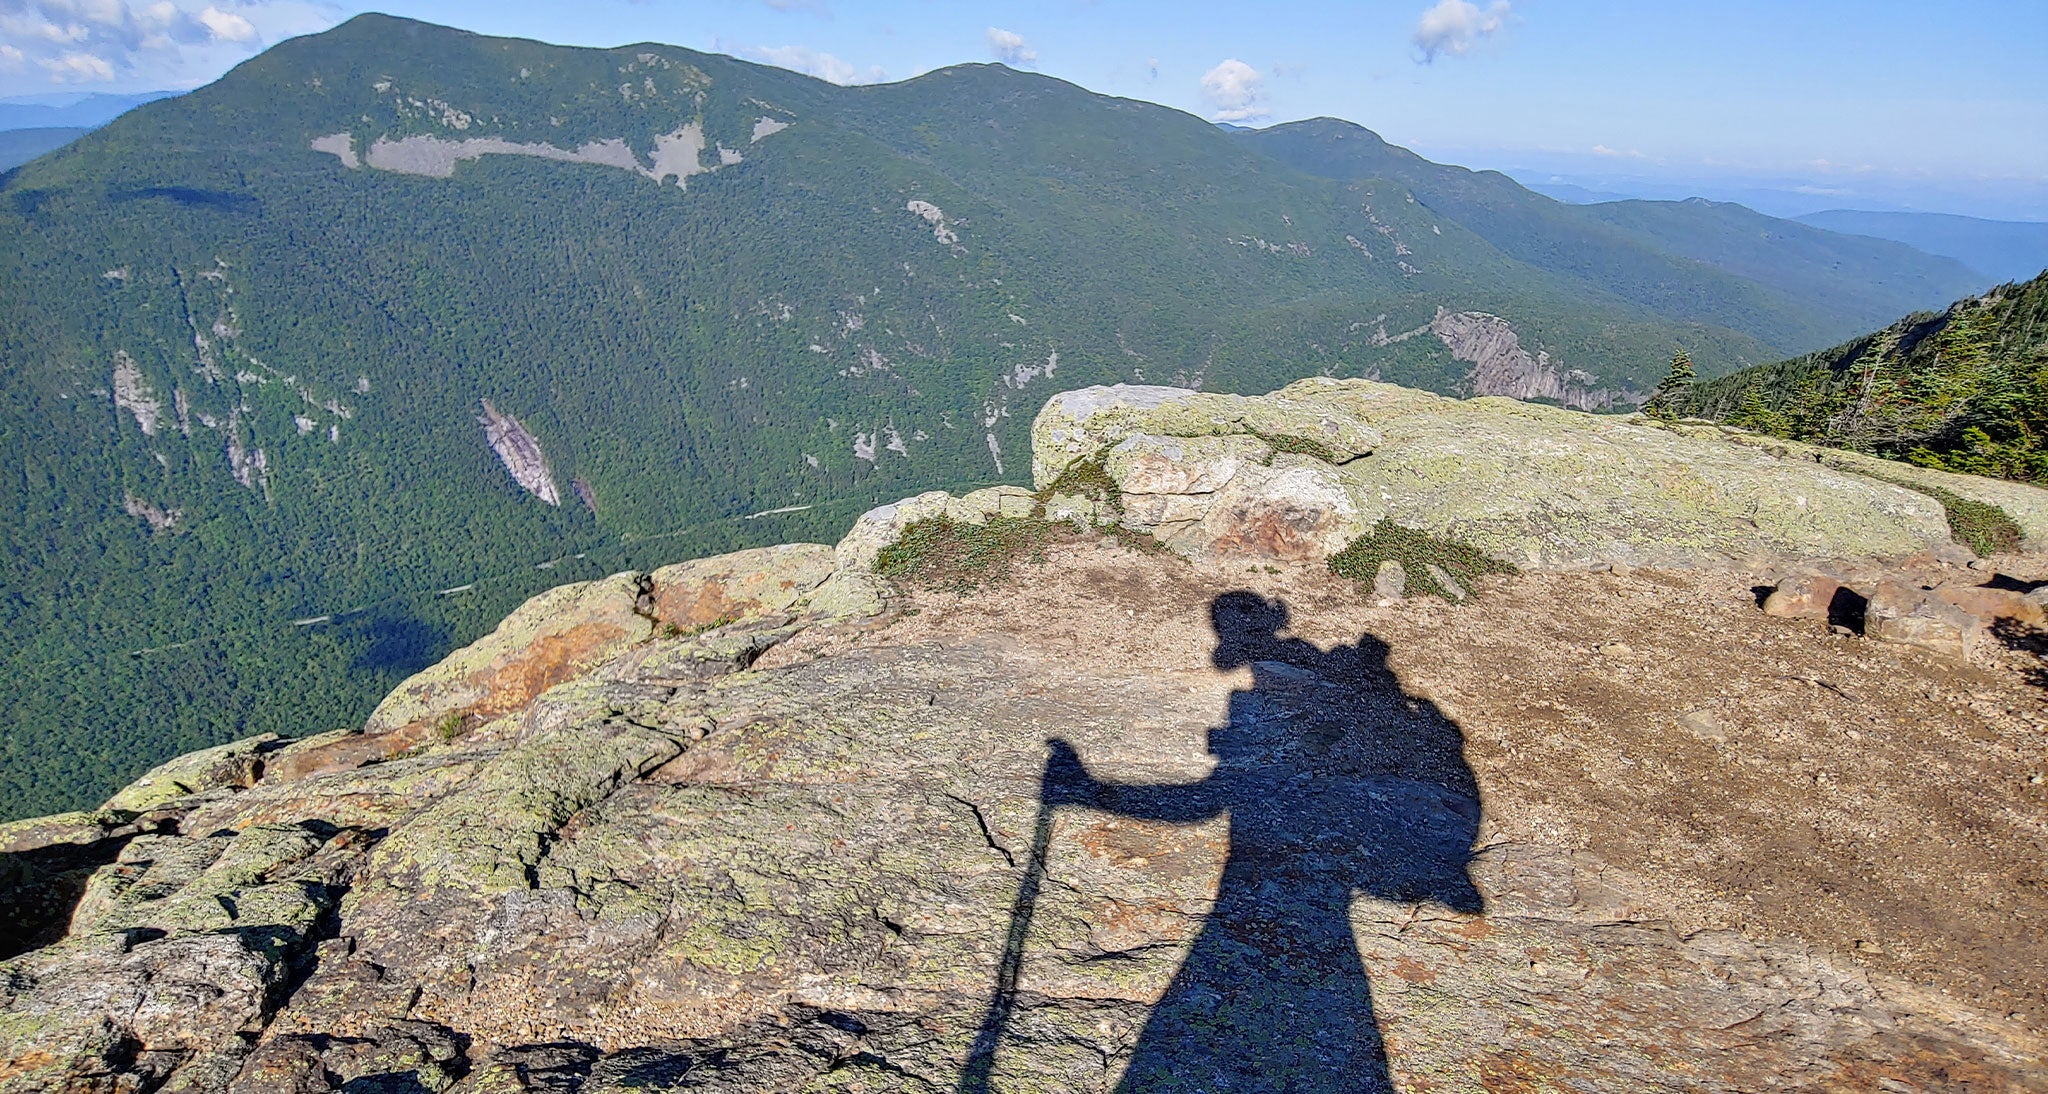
x=1336, y=783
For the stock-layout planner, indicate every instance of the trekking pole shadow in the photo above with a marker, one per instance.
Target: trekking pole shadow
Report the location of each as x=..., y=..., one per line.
x=981, y=1059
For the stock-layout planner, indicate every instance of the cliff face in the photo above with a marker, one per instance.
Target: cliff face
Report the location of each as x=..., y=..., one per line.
x=1500, y=366
x=1129, y=820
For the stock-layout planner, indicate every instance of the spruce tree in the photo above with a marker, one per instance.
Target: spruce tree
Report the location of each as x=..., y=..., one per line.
x=1756, y=415
x=1674, y=392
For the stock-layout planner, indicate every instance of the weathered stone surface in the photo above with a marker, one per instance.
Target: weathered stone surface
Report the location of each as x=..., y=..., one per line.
x=1076, y=426
x=881, y=526
x=1912, y=616
x=1297, y=509
x=1802, y=596
x=806, y=876
x=2027, y=505
x=176, y=951
x=568, y=631
x=1391, y=582
x=995, y=501
x=738, y=586
x=551, y=638
x=1145, y=464
x=238, y=764
x=1987, y=603
x=1536, y=486
x=1543, y=487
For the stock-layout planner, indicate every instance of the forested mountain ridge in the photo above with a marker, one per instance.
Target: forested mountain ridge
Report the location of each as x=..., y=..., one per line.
x=307, y=370
x=1701, y=261
x=1964, y=389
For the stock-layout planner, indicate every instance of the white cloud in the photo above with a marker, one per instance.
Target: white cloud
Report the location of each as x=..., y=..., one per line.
x=1631, y=154
x=78, y=68
x=1235, y=90
x=1453, y=27
x=813, y=62
x=1010, y=47
x=227, y=26
x=160, y=41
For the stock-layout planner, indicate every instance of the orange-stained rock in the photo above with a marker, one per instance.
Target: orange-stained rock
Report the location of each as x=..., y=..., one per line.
x=563, y=634
x=1987, y=603
x=550, y=638
x=738, y=586
x=1911, y=616
x=1802, y=596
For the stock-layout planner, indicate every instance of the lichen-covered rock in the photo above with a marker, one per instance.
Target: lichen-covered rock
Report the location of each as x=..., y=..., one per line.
x=564, y=633
x=175, y=953
x=551, y=638
x=805, y=873
x=1543, y=487
x=1076, y=426
x=1145, y=465
x=883, y=525
x=994, y=501
x=738, y=586
x=1532, y=485
x=237, y=764
x=2027, y=505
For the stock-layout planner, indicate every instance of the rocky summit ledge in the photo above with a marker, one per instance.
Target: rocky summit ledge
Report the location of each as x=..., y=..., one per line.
x=1206, y=819
x=1301, y=472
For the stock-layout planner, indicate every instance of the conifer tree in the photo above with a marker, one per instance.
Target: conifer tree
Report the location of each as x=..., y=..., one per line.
x=1673, y=393
x=1756, y=415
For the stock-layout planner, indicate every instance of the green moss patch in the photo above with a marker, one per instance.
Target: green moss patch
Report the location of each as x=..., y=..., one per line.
x=1416, y=551
x=1983, y=528
x=1300, y=446
x=945, y=553
x=1088, y=479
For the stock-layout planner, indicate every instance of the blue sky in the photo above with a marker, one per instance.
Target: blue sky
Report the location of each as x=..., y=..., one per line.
x=1946, y=98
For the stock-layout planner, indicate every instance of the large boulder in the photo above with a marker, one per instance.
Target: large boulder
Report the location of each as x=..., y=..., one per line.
x=1296, y=473
x=1077, y=426
x=2026, y=505
x=564, y=633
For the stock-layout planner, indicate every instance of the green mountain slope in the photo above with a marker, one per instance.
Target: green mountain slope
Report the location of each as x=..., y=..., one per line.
x=1699, y=261
x=1964, y=390
x=306, y=372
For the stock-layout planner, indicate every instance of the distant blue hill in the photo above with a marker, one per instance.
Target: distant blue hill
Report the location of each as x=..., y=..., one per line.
x=2004, y=250
x=73, y=110
x=33, y=125
x=18, y=146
